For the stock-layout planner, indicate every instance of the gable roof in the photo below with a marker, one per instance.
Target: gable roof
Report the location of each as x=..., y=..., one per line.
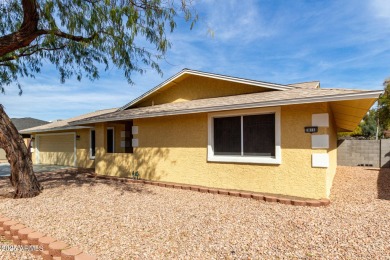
x=27, y=122
x=187, y=72
x=64, y=124
x=254, y=100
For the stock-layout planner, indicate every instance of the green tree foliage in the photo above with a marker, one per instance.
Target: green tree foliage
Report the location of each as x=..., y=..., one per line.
x=369, y=124
x=366, y=128
x=80, y=37
x=356, y=132
x=384, y=107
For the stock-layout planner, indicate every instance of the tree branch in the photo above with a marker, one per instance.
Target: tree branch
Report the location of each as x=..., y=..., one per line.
x=72, y=37
x=27, y=32
x=24, y=54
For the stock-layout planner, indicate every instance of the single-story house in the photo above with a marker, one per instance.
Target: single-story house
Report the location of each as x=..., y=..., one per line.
x=217, y=131
x=21, y=124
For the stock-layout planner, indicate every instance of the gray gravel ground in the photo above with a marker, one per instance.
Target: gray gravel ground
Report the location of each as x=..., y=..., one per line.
x=133, y=221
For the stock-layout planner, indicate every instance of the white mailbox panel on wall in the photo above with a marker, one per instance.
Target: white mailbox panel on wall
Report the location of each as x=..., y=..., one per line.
x=320, y=120
x=134, y=130
x=134, y=142
x=320, y=160
x=319, y=141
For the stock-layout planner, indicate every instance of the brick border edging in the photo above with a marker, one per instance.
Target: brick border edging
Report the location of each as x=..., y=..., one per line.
x=229, y=192
x=21, y=235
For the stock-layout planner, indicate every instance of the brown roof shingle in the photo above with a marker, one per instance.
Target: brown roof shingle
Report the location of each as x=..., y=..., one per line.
x=64, y=124
x=311, y=84
x=262, y=99
x=27, y=122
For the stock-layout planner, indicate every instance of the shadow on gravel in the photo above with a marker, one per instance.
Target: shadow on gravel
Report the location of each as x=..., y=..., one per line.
x=383, y=184
x=75, y=177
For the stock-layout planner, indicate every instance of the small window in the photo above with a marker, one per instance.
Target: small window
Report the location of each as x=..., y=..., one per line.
x=250, y=136
x=110, y=140
x=92, y=148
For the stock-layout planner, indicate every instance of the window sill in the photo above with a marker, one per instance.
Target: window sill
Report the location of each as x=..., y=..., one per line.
x=244, y=159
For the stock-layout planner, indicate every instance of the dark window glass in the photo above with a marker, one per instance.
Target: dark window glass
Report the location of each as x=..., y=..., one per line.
x=227, y=136
x=110, y=140
x=93, y=143
x=259, y=135
x=129, y=137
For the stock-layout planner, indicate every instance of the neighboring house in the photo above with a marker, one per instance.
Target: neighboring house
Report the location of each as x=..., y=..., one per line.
x=27, y=122
x=218, y=131
x=21, y=124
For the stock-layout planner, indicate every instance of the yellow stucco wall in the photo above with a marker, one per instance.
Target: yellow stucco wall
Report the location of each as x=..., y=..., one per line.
x=82, y=148
x=174, y=149
x=332, y=151
x=195, y=87
x=3, y=157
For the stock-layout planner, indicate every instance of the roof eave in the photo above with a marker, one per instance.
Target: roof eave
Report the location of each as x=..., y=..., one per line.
x=73, y=127
x=340, y=97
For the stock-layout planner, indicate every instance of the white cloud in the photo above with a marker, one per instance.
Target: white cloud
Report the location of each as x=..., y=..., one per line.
x=236, y=20
x=381, y=8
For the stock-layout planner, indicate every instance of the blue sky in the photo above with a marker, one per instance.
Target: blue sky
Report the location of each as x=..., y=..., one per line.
x=344, y=44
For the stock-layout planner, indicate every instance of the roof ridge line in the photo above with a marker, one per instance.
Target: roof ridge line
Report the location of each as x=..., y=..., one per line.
x=301, y=82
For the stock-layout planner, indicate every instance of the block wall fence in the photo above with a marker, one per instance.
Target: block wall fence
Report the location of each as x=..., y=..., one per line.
x=372, y=153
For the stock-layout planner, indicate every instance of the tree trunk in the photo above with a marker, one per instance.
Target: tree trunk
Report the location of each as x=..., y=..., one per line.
x=22, y=175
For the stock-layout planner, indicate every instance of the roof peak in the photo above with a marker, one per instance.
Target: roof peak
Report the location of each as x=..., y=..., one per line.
x=307, y=84
x=187, y=71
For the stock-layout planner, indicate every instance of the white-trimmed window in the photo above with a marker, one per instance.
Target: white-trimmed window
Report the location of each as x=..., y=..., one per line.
x=246, y=136
x=110, y=140
x=92, y=144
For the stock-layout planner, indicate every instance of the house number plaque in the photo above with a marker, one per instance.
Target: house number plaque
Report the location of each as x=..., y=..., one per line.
x=311, y=129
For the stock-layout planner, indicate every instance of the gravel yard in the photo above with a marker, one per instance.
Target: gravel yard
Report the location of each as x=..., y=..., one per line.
x=132, y=221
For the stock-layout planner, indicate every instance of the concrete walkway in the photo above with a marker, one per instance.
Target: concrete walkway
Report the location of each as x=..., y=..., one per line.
x=5, y=168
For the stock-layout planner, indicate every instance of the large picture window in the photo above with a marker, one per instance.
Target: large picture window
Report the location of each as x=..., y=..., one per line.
x=251, y=136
